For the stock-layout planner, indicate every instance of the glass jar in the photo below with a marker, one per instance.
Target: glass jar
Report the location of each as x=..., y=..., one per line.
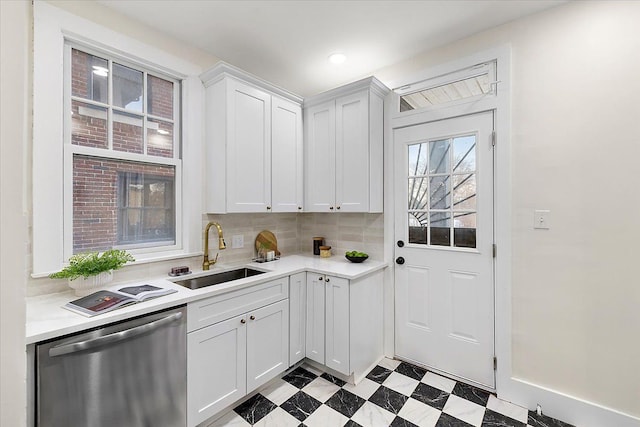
x=325, y=251
x=317, y=242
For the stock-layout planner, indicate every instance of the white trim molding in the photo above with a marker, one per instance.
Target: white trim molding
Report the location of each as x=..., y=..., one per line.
x=52, y=26
x=518, y=391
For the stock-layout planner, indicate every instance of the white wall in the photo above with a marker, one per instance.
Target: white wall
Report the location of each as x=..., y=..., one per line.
x=15, y=22
x=575, y=145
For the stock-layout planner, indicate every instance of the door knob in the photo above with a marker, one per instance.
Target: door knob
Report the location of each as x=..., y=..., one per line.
x=243, y=320
x=400, y=243
x=400, y=260
x=326, y=280
x=252, y=317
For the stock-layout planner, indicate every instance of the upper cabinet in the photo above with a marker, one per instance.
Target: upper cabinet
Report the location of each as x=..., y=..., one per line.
x=343, y=148
x=253, y=158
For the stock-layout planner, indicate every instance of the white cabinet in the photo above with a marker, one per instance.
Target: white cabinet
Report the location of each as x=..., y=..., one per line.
x=337, y=324
x=253, y=160
x=344, y=147
x=297, y=317
x=230, y=357
x=344, y=322
x=216, y=368
x=286, y=156
x=328, y=321
x=315, y=317
x=267, y=343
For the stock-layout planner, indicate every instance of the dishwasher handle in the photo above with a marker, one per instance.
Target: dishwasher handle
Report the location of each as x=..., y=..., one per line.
x=113, y=338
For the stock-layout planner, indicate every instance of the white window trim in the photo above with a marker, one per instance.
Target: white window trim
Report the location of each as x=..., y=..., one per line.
x=52, y=26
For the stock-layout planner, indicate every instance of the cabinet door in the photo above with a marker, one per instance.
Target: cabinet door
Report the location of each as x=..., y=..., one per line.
x=216, y=368
x=286, y=156
x=315, y=317
x=319, y=165
x=337, y=324
x=352, y=153
x=297, y=317
x=248, y=148
x=267, y=343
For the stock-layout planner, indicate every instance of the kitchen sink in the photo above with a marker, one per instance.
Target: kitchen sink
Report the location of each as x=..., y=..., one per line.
x=218, y=278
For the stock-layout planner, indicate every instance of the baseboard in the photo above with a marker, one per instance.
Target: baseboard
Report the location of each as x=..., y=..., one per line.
x=570, y=409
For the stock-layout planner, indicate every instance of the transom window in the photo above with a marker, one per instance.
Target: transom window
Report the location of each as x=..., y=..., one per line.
x=442, y=203
x=124, y=154
x=460, y=86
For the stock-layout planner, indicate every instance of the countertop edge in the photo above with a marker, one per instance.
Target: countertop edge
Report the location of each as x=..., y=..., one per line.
x=46, y=319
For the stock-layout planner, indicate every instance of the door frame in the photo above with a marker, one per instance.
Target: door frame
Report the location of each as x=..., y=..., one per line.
x=500, y=104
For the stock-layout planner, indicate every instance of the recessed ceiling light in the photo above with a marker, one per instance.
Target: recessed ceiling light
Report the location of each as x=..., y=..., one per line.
x=337, y=58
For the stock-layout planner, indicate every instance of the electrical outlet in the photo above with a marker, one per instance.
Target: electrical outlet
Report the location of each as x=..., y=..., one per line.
x=542, y=219
x=237, y=241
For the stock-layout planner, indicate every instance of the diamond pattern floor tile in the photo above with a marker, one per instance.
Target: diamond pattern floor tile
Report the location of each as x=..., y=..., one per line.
x=393, y=394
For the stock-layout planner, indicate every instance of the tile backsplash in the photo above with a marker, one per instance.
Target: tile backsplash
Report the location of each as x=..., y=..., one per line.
x=342, y=231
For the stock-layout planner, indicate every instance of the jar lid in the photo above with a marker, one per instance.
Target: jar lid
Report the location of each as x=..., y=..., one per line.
x=325, y=248
x=318, y=238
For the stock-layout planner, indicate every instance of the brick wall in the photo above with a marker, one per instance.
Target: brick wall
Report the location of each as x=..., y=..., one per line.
x=95, y=199
x=95, y=180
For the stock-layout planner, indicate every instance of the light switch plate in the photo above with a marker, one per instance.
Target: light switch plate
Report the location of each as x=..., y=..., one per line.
x=237, y=241
x=542, y=219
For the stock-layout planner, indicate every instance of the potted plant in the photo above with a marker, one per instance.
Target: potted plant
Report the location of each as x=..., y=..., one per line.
x=92, y=269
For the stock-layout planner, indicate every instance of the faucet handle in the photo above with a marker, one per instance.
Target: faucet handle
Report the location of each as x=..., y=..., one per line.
x=215, y=259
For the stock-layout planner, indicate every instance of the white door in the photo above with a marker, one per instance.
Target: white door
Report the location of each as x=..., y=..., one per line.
x=248, y=149
x=352, y=153
x=315, y=317
x=297, y=317
x=320, y=157
x=267, y=343
x=337, y=324
x=216, y=368
x=286, y=156
x=444, y=250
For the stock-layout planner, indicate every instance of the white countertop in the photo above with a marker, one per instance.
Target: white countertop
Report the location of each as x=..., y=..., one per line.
x=46, y=319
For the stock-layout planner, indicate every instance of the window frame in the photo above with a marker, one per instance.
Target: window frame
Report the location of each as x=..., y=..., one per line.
x=52, y=27
x=109, y=153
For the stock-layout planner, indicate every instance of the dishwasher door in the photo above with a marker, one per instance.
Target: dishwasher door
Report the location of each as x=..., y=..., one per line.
x=129, y=374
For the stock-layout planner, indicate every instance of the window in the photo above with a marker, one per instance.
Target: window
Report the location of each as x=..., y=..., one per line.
x=453, y=88
x=442, y=192
x=124, y=156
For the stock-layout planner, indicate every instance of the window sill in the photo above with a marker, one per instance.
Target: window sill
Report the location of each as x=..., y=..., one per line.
x=141, y=259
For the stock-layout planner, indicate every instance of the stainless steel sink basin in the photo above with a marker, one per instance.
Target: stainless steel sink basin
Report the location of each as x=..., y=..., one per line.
x=218, y=278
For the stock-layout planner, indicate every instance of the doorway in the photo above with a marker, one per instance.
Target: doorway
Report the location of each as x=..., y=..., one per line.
x=444, y=234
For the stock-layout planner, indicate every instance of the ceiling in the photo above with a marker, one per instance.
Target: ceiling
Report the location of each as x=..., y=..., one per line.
x=288, y=42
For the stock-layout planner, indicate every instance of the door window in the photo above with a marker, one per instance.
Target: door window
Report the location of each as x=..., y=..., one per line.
x=442, y=196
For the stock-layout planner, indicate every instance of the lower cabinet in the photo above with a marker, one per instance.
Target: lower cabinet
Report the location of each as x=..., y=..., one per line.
x=344, y=322
x=233, y=357
x=297, y=317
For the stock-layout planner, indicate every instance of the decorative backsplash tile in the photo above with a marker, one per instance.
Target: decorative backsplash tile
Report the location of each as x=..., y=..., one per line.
x=342, y=231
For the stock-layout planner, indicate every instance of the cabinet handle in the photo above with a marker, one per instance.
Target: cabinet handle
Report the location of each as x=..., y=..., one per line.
x=338, y=208
x=268, y=208
x=243, y=321
x=252, y=317
x=330, y=208
x=299, y=208
x=326, y=280
x=321, y=278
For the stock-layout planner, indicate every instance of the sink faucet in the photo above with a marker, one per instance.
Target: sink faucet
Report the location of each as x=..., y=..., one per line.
x=221, y=245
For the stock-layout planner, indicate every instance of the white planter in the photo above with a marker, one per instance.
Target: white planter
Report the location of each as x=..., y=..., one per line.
x=84, y=287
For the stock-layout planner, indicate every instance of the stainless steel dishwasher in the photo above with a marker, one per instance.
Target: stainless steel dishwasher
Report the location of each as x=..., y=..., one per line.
x=128, y=374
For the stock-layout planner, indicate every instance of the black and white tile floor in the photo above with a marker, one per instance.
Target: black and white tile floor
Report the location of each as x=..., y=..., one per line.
x=394, y=394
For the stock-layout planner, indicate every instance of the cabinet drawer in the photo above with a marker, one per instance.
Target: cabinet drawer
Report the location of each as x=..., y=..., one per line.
x=221, y=307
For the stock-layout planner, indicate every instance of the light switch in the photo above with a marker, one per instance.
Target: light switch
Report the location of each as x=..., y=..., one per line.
x=237, y=241
x=542, y=219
